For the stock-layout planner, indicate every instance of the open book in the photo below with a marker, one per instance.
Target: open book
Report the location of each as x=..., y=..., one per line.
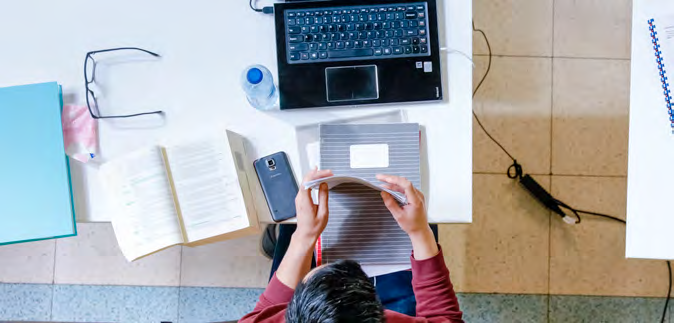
x=191, y=194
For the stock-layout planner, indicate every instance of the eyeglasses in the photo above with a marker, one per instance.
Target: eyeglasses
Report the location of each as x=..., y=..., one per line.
x=90, y=77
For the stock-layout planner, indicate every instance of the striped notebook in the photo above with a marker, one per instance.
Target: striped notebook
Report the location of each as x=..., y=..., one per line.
x=360, y=227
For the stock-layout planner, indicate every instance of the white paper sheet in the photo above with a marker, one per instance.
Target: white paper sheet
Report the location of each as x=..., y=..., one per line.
x=145, y=218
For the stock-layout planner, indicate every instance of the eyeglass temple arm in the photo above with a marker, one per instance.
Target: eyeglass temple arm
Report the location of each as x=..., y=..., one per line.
x=123, y=48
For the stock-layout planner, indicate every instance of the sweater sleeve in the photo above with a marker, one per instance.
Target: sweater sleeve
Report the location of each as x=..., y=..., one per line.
x=436, y=300
x=272, y=303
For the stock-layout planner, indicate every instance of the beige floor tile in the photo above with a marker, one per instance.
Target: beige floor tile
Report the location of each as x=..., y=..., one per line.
x=589, y=258
x=590, y=116
x=233, y=263
x=93, y=257
x=593, y=28
x=514, y=27
x=505, y=249
x=30, y=262
x=514, y=104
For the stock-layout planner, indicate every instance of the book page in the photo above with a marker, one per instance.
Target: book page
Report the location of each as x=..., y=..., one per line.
x=145, y=218
x=207, y=188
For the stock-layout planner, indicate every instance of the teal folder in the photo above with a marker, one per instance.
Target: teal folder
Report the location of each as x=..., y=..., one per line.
x=35, y=189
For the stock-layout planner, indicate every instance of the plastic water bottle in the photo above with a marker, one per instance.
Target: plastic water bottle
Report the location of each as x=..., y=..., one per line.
x=258, y=84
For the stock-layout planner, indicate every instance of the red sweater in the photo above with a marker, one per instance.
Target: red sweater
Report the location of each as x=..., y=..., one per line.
x=436, y=301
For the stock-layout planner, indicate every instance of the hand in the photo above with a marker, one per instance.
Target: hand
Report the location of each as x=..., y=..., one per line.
x=411, y=217
x=311, y=218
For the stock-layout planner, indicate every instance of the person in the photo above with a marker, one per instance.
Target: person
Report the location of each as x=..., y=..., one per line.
x=341, y=291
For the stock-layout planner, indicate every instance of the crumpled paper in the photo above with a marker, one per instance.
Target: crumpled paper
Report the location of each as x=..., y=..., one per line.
x=80, y=133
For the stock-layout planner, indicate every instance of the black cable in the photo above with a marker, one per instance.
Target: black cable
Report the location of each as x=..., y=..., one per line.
x=515, y=166
x=267, y=10
x=669, y=292
x=254, y=9
x=602, y=215
x=515, y=172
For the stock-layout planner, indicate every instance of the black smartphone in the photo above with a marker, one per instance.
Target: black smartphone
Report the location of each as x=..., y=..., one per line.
x=278, y=184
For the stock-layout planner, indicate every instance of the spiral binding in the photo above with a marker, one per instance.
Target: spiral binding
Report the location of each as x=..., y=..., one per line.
x=663, y=72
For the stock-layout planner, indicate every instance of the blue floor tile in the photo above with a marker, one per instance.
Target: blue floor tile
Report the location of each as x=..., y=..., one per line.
x=25, y=302
x=150, y=304
x=503, y=308
x=133, y=304
x=203, y=304
x=605, y=309
x=84, y=303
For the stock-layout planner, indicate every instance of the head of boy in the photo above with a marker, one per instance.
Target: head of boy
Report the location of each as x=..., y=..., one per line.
x=335, y=293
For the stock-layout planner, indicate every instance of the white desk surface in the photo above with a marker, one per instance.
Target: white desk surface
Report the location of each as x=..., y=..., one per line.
x=205, y=45
x=650, y=220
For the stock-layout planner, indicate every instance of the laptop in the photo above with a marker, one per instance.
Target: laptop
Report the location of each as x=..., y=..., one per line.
x=346, y=52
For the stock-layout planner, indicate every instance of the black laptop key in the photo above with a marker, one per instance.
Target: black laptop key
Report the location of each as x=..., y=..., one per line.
x=296, y=39
x=361, y=52
x=294, y=30
x=294, y=56
x=298, y=47
x=411, y=15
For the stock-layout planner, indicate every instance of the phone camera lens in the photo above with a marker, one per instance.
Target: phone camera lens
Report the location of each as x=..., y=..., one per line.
x=271, y=162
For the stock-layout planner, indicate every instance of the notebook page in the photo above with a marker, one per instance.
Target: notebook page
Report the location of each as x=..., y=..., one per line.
x=665, y=30
x=145, y=218
x=207, y=188
x=360, y=226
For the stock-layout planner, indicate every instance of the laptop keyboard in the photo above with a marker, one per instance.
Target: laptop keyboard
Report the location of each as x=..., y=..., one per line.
x=357, y=32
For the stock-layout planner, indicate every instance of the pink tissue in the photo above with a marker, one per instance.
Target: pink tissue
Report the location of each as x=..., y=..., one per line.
x=80, y=133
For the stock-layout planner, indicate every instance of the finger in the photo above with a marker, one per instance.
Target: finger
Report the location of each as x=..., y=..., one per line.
x=392, y=204
x=408, y=188
x=323, y=201
x=316, y=174
x=421, y=195
x=305, y=194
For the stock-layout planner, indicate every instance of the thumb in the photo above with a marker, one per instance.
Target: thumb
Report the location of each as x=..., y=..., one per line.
x=391, y=204
x=323, y=201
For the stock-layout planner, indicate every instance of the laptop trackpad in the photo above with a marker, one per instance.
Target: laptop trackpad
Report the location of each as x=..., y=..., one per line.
x=352, y=83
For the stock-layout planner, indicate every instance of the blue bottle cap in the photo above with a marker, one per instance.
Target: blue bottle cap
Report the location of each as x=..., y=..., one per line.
x=254, y=75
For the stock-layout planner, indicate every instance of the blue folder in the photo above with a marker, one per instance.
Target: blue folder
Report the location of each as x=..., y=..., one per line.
x=35, y=189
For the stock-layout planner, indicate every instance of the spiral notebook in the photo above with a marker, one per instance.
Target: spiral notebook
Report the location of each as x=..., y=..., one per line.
x=662, y=36
x=360, y=227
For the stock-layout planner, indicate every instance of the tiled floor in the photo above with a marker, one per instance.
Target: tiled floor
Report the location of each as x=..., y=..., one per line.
x=557, y=97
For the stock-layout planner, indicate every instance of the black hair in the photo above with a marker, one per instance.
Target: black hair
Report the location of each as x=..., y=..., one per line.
x=336, y=293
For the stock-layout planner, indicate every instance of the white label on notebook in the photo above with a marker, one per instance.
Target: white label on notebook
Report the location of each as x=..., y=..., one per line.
x=369, y=156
